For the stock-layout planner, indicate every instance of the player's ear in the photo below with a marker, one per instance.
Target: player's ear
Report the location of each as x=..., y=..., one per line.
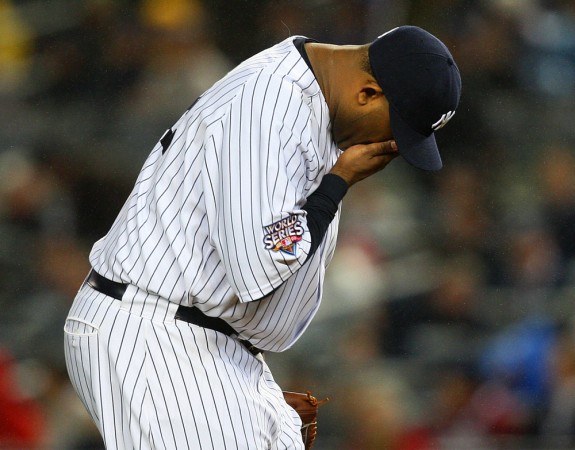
x=369, y=91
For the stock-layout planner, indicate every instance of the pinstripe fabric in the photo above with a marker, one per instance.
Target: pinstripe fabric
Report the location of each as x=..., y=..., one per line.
x=246, y=155
x=230, y=176
x=156, y=383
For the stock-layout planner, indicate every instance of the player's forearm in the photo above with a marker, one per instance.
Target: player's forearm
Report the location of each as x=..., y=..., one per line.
x=321, y=207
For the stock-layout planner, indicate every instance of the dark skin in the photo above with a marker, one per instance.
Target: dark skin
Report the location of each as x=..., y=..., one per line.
x=359, y=111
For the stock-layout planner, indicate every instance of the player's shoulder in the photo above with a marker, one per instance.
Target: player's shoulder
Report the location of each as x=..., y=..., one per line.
x=274, y=55
x=283, y=63
x=276, y=72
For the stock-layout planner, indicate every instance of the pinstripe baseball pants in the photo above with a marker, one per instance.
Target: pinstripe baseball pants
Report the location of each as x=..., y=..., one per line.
x=152, y=382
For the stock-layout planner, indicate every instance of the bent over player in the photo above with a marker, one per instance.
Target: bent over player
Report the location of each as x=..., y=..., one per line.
x=221, y=249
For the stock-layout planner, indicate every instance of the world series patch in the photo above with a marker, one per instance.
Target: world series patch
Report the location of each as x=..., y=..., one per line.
x=284, y=235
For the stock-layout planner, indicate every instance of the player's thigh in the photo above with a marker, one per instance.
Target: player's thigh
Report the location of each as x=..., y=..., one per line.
x=290, y=436
x=84, y=339
x=82, y=360
x=105, y=355
x=211, y=390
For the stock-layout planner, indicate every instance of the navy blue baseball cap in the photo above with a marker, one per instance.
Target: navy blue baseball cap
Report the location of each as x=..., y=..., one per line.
x=422, y=84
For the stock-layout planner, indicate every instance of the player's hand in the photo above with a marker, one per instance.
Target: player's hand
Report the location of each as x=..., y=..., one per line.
x=360, y=161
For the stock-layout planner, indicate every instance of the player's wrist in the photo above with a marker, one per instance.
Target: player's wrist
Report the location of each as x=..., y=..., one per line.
x=321, y=207
x=333, y=186
x=343, y=175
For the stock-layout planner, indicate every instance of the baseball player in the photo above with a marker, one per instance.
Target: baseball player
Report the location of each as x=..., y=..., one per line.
x=220, y=251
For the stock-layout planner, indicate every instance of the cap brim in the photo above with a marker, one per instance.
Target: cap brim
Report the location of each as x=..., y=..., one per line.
x=417, y=149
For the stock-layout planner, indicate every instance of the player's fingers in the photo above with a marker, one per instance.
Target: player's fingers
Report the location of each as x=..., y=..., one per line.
x=389, y=153
x=390, y=147
x=383, y=148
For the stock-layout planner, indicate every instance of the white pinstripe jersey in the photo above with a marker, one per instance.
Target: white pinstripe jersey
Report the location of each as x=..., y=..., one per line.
x=216, y=220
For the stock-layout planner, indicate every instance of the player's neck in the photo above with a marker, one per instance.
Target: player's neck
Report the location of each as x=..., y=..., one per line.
x=335, y=68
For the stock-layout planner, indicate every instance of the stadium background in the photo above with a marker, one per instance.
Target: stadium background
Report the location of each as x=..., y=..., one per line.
x=447, y=321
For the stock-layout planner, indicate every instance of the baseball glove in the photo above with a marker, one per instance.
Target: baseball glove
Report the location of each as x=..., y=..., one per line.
x=306, y=405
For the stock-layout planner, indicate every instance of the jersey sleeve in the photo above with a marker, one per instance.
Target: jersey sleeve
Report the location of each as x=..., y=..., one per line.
x=258, y=165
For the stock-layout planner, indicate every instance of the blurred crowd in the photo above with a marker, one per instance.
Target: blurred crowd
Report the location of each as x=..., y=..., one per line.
x=448, y=319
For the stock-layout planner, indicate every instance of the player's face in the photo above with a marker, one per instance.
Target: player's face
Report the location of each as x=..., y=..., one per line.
x=363, y=123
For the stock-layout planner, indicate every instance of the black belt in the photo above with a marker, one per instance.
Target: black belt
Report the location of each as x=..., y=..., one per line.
x=185, y=313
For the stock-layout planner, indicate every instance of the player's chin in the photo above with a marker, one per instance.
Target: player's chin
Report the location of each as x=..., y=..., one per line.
x=342, y=144
x=342, y=140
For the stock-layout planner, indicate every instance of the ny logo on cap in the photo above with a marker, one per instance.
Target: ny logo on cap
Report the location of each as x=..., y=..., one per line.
x=443, y=120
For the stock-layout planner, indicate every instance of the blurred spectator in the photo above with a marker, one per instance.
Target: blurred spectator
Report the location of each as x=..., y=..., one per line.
x=557, y=181
x=94, y=60
x=517, y=359
x=443, y=324
x=533, y=268
x=34, y=205
x=558, y=424
x=16, y=49
x=22, y=421
x=466, y=412
x=464, y=218
x=31, y=197
x=451, y=421
x=548, y=63
x=374, y=409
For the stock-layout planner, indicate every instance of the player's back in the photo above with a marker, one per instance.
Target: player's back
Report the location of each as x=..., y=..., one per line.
x=161, y=239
